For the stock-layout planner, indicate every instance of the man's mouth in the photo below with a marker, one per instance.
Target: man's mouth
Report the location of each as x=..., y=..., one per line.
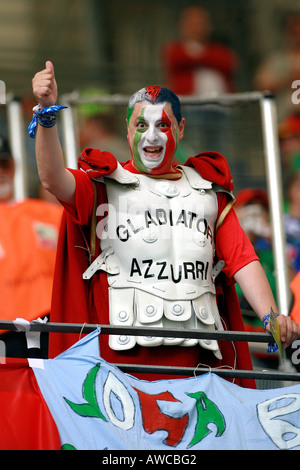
x=152, y=152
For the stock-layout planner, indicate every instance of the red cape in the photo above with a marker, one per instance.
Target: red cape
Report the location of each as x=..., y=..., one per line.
x=75, y=300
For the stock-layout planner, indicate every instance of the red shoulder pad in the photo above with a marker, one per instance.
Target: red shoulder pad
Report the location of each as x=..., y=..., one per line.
x=213, y=167
x=96, y=163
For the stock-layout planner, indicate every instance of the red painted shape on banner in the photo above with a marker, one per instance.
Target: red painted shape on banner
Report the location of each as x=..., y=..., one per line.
x=154, y=420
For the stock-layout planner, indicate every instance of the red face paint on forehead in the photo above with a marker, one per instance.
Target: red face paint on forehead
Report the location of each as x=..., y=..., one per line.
x=153, y=91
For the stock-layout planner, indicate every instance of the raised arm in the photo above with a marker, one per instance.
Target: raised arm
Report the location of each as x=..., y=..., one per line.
x=54, y=177
x=256, y=289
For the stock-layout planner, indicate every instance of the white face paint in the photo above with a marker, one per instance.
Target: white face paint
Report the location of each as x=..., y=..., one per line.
x=153, y=143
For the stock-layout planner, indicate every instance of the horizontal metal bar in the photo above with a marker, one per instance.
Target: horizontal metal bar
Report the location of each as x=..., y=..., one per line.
x=225, y=373
x=52, y=327
x=118, y=99
x=228, y=98
x=141, y=331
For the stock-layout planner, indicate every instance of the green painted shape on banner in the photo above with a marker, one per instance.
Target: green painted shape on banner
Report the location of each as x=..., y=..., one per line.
x=90, y=408
x=207, y=412
x=68, y=447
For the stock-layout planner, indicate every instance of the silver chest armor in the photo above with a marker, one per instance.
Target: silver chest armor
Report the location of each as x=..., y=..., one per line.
x=158, y=250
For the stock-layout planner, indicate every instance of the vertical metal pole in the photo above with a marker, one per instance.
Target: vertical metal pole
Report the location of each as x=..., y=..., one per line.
x=69, y=138
x=16, y=138
x=274, y=182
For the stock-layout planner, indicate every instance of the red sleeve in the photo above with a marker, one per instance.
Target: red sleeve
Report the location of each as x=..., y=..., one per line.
x=232, y=244
x=84, y=198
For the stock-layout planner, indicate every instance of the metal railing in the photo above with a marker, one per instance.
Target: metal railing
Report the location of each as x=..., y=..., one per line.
x=224, y=372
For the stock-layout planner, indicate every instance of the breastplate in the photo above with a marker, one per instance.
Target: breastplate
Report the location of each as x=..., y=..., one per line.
x=162, y=237
x=159, y=245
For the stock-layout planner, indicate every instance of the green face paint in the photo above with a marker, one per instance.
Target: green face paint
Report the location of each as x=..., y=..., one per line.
x=137, y=138
x=129, y=113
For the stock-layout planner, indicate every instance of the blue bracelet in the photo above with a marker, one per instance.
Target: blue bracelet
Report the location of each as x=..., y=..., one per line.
x=271, y=347
x=46, y=117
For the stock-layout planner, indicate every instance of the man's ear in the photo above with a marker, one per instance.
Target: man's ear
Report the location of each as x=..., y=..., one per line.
x=181, y=128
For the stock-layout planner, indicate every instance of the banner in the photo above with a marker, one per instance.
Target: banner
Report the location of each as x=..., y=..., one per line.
x=96, y=406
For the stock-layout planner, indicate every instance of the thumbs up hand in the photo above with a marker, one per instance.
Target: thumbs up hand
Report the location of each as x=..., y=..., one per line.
x=44, y=86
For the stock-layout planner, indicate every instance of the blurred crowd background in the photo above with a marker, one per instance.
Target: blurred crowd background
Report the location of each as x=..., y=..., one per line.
x=117, y=44
x=199, y=49
x=196, y=48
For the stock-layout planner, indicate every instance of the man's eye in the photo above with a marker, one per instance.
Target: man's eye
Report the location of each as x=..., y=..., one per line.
x=141, y=125
x=163, y=125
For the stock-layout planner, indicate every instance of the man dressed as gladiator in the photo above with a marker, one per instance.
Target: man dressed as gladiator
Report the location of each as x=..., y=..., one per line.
x=148, y=243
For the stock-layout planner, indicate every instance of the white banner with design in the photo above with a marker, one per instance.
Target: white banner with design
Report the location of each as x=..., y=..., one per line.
x=96, y=406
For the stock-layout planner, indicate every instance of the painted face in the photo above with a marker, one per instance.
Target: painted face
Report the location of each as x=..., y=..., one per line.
x=153, y=134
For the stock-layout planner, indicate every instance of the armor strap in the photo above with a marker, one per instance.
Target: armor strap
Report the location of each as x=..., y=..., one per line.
x=93, y=223
x=91, y=244
x=99, y=264
x=224, y=213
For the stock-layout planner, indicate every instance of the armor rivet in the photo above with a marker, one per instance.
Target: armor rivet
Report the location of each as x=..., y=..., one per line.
x=167, y=189
x=177, y=309
x=123, y=339
x=150, y=310
x=199, y=239
x=149, y=236
x=202, y=192
x=172, y=190
x=203, y=313
x=123, y=315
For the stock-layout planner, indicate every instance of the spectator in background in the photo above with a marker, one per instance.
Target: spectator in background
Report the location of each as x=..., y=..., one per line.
x=292, y=230
x=282, y=67
x=194, y=64
x=28, y=241
x=289, y=137
x=292, y=222
x=252, y=209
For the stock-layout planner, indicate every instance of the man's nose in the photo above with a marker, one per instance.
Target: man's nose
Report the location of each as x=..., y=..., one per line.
x=152, y=136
